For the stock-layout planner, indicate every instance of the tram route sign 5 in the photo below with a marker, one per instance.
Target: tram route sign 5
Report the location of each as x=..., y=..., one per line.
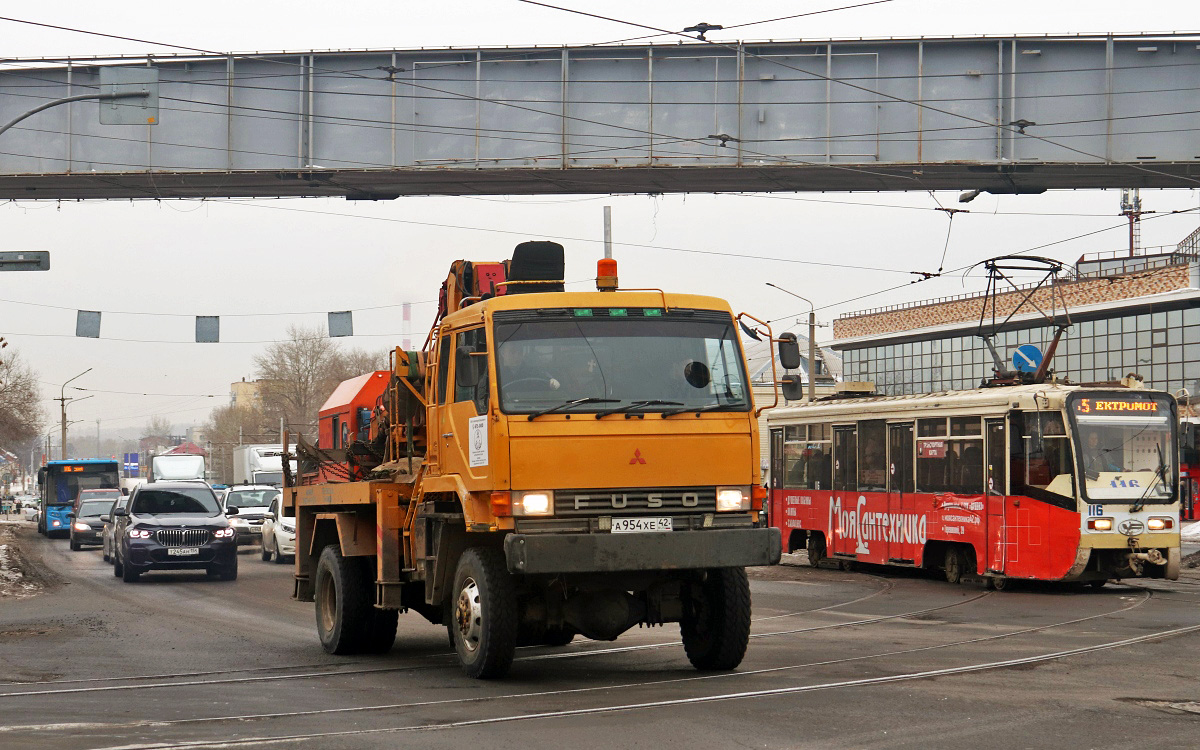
x=1027, y=358
x=25, y=260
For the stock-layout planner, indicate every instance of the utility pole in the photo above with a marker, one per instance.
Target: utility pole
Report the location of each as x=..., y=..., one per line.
x=62, y=402
x=98, y=438
x=1131, y=206
x=812, y=342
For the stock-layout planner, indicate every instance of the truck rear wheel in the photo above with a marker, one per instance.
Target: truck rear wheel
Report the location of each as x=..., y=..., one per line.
x=342, y=603
x=716, y=626
x=381, y=631
x=483, y=618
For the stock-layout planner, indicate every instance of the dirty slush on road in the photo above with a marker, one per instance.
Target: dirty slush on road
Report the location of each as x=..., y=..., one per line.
x=19, y=578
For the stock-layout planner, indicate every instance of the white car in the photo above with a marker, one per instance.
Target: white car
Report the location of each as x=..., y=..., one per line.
x=251, y=501
x=30, y=511
x=278, y=533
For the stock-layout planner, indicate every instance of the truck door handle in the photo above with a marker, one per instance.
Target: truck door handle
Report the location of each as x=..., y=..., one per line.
x=447, y=434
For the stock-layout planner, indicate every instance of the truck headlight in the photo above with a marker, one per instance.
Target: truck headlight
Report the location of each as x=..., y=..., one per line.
x=733, y=498
x=534, y=503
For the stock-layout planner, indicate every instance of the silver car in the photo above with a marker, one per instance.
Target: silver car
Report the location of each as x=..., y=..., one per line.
x=106, y=533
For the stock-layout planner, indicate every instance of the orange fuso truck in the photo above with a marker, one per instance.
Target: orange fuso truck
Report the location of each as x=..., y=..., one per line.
x=551, y=464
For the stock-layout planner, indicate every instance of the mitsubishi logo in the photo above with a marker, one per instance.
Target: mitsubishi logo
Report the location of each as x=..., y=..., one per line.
x=1130, y=527
x=637, y=457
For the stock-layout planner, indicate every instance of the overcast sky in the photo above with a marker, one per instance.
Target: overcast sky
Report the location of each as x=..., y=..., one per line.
x=172, y=260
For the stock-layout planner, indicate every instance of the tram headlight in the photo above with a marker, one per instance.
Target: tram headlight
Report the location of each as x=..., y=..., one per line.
x=1160, y=524
x=733, y=498
x=1100, y=524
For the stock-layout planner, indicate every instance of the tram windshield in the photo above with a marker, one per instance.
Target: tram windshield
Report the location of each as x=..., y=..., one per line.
x=1126, y=446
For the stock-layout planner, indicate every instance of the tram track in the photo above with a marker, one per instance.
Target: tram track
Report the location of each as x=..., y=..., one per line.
x=634, y=706
x=583, y=653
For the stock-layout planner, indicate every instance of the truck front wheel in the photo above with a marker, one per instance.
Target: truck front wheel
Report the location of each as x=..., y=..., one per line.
x=716, y=624
x=342, y=603
x=483, y=617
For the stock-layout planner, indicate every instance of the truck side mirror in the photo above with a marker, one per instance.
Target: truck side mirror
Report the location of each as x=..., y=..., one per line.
x=466, y=367
x=789, y=351
x=792, y=387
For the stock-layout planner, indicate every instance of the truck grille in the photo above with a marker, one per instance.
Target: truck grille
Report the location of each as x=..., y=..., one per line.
x=181, y=537
x=635, y=501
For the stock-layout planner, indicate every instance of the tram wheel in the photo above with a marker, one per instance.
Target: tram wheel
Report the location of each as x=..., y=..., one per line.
x=954, y=565
x=999, y=583
x=1098, y=583
x=816, y=548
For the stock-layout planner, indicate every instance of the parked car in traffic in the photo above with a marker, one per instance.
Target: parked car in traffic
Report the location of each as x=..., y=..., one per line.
x=30, y=511
x=251, y=501
x=106, y=533
x=172, y=526
x=278, y=533
x=87, y=525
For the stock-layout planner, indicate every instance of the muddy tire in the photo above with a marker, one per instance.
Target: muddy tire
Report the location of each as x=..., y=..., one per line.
x=129, y=574
x=265, y=554
x=381, y=631
x=118, y=569
x=343, y=604
x=716, y=625
x=228, y=573
x=816, y=548
x=558, y=636
x=483, y=616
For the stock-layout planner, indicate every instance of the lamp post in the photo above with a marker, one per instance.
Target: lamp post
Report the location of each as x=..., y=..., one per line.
x=812, y=340
x=62, y=401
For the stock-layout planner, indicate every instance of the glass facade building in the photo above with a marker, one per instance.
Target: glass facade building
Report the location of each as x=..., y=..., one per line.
x=1158, y=340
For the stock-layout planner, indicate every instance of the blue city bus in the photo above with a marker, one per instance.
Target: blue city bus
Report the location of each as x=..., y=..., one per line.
x=60, y=483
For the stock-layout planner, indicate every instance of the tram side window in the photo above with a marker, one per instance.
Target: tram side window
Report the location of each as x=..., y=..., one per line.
x=1040, y=455
x=950, y=460
x=872, y=457
x=845, y=455
x=808, y=457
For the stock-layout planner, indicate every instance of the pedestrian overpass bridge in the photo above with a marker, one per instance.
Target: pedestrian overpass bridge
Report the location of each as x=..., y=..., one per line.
x=1005, y=115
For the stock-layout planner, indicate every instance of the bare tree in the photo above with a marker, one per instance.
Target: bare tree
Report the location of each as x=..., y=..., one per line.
x=157, y=427
x=297, y=376
x=354, y=362
x=229, y=425
x=21, y=416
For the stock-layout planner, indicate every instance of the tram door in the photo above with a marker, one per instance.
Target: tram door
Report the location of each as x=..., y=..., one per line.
x=845, y=486
x=997, y=488
x=901, y=497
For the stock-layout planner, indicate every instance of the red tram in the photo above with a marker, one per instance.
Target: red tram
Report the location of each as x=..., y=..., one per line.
x=1044, y=482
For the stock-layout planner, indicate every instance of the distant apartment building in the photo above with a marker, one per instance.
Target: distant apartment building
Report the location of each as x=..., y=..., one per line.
x=246, y=393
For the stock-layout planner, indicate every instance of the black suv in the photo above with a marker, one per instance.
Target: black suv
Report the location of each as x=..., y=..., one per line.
x=173, y=525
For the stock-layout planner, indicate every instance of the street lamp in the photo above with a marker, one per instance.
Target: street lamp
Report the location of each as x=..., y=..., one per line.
x=812, y=341
x=62, y=401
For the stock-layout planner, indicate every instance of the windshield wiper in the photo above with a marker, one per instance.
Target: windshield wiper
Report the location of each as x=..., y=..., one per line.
x=637, y=405
x=699, y=409
x=1160, y=474
x=569, y=404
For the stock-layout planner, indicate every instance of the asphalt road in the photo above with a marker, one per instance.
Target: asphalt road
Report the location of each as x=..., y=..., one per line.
x=837, y=659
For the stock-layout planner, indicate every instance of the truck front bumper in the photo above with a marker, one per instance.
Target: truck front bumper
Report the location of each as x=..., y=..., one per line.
x=674, y=550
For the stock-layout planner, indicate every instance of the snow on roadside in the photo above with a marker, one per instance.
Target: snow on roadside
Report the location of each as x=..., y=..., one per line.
x=1190, y=533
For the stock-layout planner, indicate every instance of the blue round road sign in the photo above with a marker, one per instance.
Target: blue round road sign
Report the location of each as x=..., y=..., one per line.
x=1027, y=358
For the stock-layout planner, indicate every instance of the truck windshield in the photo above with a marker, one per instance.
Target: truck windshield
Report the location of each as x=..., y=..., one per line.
x=664, y=361
x=1126, y=446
